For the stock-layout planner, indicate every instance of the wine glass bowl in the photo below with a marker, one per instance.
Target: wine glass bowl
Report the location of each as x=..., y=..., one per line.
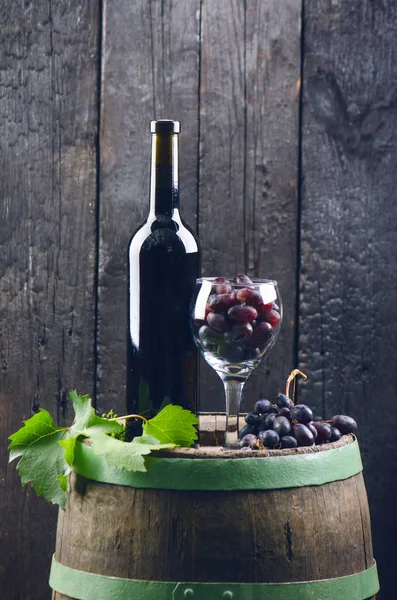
x=235, y=324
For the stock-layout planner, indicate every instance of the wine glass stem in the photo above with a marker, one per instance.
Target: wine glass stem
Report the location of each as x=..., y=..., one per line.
x=233, y=392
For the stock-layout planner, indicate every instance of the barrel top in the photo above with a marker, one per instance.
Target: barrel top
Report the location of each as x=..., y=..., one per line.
x=214, y=469
x=219, y=452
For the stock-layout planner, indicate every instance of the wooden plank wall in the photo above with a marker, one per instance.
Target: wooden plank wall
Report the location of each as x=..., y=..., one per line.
x=144, y=76
x=348, y=283
x=48, y=128
x=249, y=97
x=287, y=171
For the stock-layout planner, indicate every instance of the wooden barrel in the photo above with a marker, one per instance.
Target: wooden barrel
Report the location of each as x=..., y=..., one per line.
x=208, y=525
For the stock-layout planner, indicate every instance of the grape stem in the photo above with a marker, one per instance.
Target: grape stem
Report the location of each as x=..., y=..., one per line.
x=292, y=377
x=129, y=417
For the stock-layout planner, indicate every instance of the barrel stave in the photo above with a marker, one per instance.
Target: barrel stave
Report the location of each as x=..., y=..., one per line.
x=297, y=534
x=307, y=533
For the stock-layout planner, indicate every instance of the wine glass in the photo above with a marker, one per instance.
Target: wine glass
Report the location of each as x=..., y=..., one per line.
x=235, y=324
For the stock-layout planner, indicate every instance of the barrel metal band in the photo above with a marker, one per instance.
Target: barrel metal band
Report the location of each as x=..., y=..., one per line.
x=256, y=473
x=90, y=586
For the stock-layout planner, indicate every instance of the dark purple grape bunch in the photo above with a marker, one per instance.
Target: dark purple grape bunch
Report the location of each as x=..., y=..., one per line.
x=288, y=425
x=239, y=326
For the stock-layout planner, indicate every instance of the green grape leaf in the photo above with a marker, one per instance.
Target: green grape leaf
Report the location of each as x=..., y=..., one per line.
x=42, y=458
x=69, y=444
x=47, y=452
x=173, y=425
x=63, y=482
x=149, y=439
x=83, y=411
x=86, y=420
x=126, y=455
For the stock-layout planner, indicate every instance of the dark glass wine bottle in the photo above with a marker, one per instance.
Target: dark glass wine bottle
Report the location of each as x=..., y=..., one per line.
x=164, y=263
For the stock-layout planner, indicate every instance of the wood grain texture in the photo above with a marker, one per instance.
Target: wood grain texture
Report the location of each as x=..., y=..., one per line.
x=249, y=107
x=296, y=534
x=348, y=318
x=273, y=46
x=48, y=74
x=222, y=157
x=150, y=70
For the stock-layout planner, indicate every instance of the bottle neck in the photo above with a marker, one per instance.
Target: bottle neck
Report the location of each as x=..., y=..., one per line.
x=164, y=185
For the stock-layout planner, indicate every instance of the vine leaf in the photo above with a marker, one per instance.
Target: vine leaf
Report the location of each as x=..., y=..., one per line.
x=46, y=452
x=173, y=425
x=87, y=421
x=42, y=458
x=69, y=443
x=124, y=455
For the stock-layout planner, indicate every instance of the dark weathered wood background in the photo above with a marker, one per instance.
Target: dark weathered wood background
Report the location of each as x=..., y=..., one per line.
x=288, y=170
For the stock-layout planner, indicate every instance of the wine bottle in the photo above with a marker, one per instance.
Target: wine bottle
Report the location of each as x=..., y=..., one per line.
x=164, y=263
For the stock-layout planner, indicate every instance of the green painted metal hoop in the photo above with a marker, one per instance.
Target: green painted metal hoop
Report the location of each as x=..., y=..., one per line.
x=256, y=473
x=90, y=586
